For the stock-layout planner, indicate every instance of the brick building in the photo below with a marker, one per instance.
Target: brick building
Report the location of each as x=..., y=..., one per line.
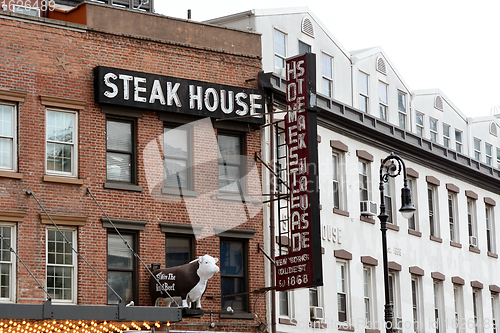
x=176, y=180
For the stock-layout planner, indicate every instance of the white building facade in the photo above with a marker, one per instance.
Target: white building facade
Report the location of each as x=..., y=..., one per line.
x=443, y=263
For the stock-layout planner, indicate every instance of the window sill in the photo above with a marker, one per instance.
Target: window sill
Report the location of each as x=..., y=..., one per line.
x=318, y=324
x=238, y=315
x=234, y=197
x=492, y=255
x=340, y=212
x=436, y=239
x=287, y=321
x=367, y=219
x=345, y=327
x=457, y=245
x=11, y=174
x=120, y=186
x=474, y=249
x=391, y=226
x=371, y=330
x=63, y=180
x=177, y=191
x=414, y=233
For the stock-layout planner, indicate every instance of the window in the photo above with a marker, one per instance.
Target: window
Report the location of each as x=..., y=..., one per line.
x=446, y=135
x=438, y=306
x=490, y=229
x=394, y=299
x=494, y=312
x=230, y=162
x=498, y=158
x=487, y=152
x=179, y=249
x=477, y=310
x=7, y=262
x=402, y=109
x=315, y=301
x=120, y=150
x=433, y=129
x=327, y=75
x=338, y=180
x=285, y=303
x=453, y=216
x=458, y=140
x=388, y=189
x=233, y=272
x=304, y=48
x=61, y=142
x=382, y=98
x=122, y=268
x=471, y=222
x=363, y=92
x=415, y=301
x=8, y=137
x=279, y=52
x=419, y=120
x=178, y=167
x=342, y=292
x=412, y=221
x=477, y=149
x=433, y=213
x=458, y=303
x=368, y=296
x=61, y=264
x=364, y=180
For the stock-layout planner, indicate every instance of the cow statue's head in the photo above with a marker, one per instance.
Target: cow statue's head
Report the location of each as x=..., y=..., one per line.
x=207, y=267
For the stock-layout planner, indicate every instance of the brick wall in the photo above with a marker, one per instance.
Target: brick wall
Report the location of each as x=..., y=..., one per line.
x=30, y=55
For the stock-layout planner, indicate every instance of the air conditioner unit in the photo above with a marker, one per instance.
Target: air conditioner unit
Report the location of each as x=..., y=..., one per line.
x=398, y=324
x=368, y=208
x=473, y=241
x=317, y=313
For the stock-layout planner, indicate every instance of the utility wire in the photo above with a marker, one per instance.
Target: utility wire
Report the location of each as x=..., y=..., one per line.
x=130, y=248
x=71, y=246
x=22, y=262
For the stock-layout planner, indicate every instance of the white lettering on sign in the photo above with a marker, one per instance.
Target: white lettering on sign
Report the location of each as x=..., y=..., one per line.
x=331, y=234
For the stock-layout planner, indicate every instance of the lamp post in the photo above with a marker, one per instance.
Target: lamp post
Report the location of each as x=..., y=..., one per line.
x=392, y=169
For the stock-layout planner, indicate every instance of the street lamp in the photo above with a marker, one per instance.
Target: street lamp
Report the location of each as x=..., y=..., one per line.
x=392, y=169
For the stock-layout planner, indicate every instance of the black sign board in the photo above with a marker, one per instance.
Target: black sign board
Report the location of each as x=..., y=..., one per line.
x=169, y=94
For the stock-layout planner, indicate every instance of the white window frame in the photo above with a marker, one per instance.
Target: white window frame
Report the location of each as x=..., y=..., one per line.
x=280, y=70
x=498, y=157
x=390, y=201
x=433, y=205
x=477, y=310
x=490, y=228
x=402, y=111
x=74, y=145
x=396, y=299
x=477, y=149
x=12, y=262
x=420, y=127
x=13, y=138
x=458, y=302
x=340, y=173
x=472, y=219
x=446, y=136
x=458, y=142
x=369, y=296
x=412, y=184
x=290, y=304
x=453, y=217
x=368, y=179
x=364, y=96
x=74, y=266
x=325, y=78
x=439, y=321
x=488, y=153
x=416, y=301
x=346, y=285
x=383, y=104
x=495, y=305
x=319, y=298
x=433, y=129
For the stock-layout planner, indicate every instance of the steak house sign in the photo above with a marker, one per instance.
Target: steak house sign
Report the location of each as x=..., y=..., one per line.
x=163, y=93
x=302, y=266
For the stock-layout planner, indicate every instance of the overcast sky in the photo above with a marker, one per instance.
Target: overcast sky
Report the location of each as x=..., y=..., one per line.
x=447, y=44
